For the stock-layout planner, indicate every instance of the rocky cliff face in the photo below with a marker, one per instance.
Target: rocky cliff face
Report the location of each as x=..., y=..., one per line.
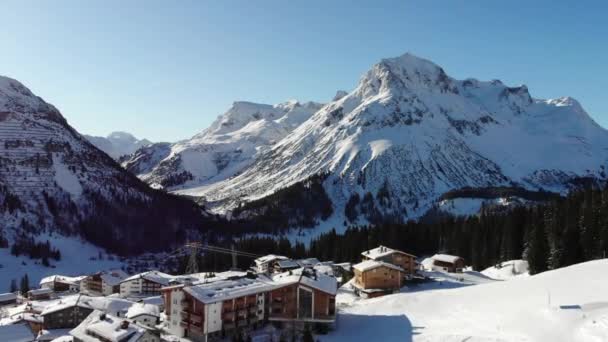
x=53, y=179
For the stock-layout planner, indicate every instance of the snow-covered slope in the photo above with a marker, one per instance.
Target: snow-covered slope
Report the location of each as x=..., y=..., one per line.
x=507, y=270
x=53, y=179
x=118, y=144
x=565, y=305
x=409, y=132
x=222, y=150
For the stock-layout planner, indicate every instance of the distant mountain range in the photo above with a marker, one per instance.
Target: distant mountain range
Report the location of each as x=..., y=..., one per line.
x=118, y=144
x=389, y=149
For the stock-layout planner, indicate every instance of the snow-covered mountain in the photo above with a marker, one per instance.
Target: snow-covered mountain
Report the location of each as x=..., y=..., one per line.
x=222, y=150
x=409, y=133
x=53, y=179
x=118, y=144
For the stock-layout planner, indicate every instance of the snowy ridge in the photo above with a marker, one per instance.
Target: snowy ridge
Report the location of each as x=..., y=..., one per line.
x=221, y=151
x=118, y=144
x=413, y=132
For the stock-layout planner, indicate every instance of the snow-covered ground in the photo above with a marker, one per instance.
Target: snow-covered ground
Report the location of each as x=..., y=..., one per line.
x=77, y=258
x=521, y=309
x=507, y=270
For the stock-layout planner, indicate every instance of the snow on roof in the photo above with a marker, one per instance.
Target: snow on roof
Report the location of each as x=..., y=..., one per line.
x=325, y=269
x=7, y=296
x=113, y=277
x=371, y=264
x=41, y=291
x=207, y=277
x=268, y=258
x=381, y=251
x=288, y=263
x=309, y=262
x=143, y=309
x=111, y=305
x=64, y=339
x=51, y=335
x=229, y=289
x=155, y=300
x=307, y=277
x=61, y=278
x=446, y=258
x=68, y=302
x=153, y=276
x=17, y=333
x=108, y=327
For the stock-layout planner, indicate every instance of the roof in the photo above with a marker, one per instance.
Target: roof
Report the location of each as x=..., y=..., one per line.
x=155, y=300
x=41, y=291
x=309, y=262
x=17, y=333
x=382, y=251
x=113, y=277
x=111, y=305
x=268, y=258
x=143, y=309
x=108, y=327
x=446, y=258
x=64, y=339
x=8, y=296
x=228, y=289
x=68, y=302
x=371, y=264
x=61, y=278
x=51, y=335
x=153, y=276
x=307, y=277
x=288, y=263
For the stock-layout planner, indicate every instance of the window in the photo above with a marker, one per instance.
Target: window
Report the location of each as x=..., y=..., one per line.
x=305, y=304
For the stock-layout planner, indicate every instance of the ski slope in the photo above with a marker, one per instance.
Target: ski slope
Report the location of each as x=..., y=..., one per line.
x=565, y=305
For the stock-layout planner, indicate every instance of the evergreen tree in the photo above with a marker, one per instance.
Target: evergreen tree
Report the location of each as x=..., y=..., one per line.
x=13, y=286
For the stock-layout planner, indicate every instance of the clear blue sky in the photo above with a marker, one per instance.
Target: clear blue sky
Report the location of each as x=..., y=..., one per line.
x=165, y=69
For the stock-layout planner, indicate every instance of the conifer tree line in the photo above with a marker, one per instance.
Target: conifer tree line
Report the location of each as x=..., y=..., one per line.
x=558, y=233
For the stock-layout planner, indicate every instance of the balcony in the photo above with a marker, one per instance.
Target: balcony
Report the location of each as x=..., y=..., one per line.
x=241, y=323
x=228, y=316
x=194, y=318
x=184, y=324
x=253, y=310
x=229, y=326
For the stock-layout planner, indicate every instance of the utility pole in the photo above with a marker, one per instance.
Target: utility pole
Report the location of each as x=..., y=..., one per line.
x=234, y=263
x=192, y=266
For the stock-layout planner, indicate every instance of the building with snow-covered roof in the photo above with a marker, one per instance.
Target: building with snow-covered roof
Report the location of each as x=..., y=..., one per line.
x=265, y=264
x=144, y=284
x=60, y=283
x=447, y=263
x=67, y=312
x=144, y=314
x=103, y=283
x=40, y=294
x=17, y=333
x=392, y=256
x=285, y=265
x=215, y=308
x=8, y=299
x=375, y=278
x=303, y=296
x=101, y=327
x=308, y=262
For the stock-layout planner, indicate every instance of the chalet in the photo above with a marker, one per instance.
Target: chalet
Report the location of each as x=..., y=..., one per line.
x=281, y=266
x=101, y=327
x=266, y=263
x=33, y=320
x=20, y=332
x=375, y=278
x=40, y=294
x=59, y=283
x=392, y=256
x=144, y=314
x=210, y=310
x=67, y=312
x=103, y=283
x=303, y=296
x=309, y=262
x=8, y=299
x=447, y=263
x=144, y=284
